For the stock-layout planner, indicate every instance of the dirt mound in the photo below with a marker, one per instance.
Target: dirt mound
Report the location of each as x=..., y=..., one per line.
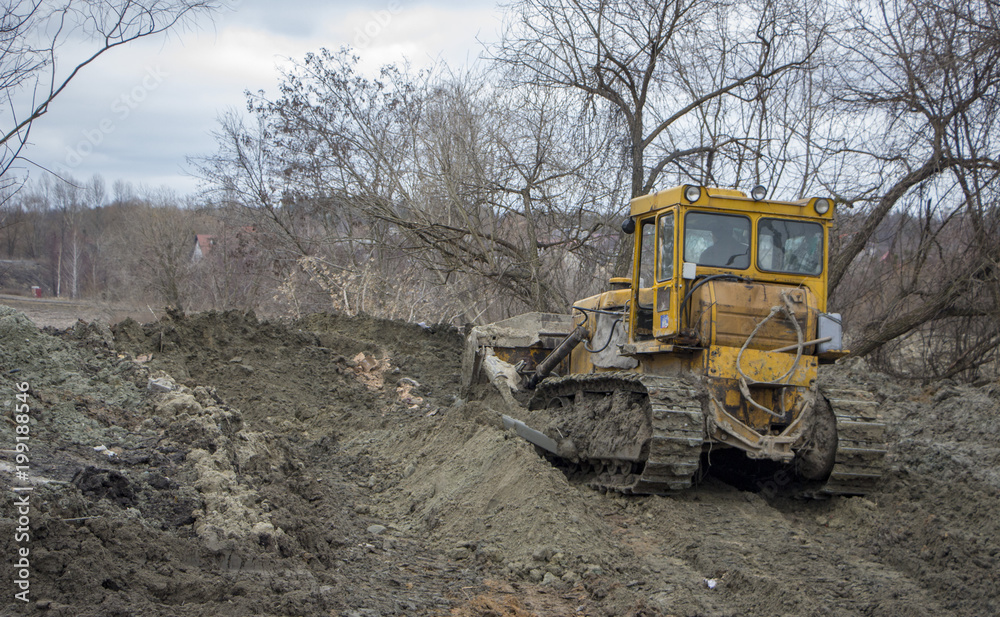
x=154, y=498
x=328, y=467
x=300, y=373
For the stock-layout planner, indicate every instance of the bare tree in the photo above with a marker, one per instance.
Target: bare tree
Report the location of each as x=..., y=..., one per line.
x=919, y=86
x=511, y=189
x=654, y=65
x=11, y=215
x=246, y=172
x=152, y=246
x=479, y=194
x=256, y=188
x=34, y=71
x=236, y=273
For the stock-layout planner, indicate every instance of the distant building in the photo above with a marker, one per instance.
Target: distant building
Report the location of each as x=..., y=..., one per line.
x=203, y=244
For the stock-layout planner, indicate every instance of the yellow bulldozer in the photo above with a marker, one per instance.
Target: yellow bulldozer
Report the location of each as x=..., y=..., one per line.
x=710, y=348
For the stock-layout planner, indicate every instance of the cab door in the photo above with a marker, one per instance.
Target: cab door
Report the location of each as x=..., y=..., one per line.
x=664, y=289
x=643, y=284
x=655, y=297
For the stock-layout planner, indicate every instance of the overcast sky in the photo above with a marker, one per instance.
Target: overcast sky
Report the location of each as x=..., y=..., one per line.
x=139, y=111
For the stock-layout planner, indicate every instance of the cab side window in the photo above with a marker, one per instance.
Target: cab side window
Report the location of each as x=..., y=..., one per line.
x=666, y=261
x=646, y=253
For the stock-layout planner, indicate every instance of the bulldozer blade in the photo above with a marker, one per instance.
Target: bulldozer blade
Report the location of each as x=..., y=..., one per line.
x=526, y=432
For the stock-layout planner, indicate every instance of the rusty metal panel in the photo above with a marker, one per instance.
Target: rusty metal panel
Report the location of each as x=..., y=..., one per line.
x=760, y=366
x=727, y=312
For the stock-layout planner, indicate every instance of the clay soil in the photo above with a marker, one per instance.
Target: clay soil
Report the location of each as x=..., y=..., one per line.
x=329, y=467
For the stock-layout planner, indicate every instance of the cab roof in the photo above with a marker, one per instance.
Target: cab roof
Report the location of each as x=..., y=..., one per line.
x=727, y=200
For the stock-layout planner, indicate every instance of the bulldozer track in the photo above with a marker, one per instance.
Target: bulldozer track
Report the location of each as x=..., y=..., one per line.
x=674, y=449
x=672, y=459
x=861, y=447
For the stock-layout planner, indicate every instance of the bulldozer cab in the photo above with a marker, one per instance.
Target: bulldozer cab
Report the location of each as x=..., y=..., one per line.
x=688, y=235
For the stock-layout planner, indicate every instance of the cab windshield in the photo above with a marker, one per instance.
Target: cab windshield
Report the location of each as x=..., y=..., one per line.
x=792, y=247
x=717, y=240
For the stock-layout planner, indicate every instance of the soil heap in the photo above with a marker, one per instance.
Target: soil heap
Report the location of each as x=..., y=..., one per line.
x=217, y=464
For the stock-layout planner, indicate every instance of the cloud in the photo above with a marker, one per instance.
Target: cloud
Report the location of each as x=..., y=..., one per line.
x=420, y=34
x=174, y=89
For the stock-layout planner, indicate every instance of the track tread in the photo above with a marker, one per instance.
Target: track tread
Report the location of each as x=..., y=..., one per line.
x=677, y=440
x=675, y=447
x=861, y=448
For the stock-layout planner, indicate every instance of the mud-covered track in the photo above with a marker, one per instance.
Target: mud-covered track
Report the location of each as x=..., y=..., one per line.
x=671, y=458
x=861, y=447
